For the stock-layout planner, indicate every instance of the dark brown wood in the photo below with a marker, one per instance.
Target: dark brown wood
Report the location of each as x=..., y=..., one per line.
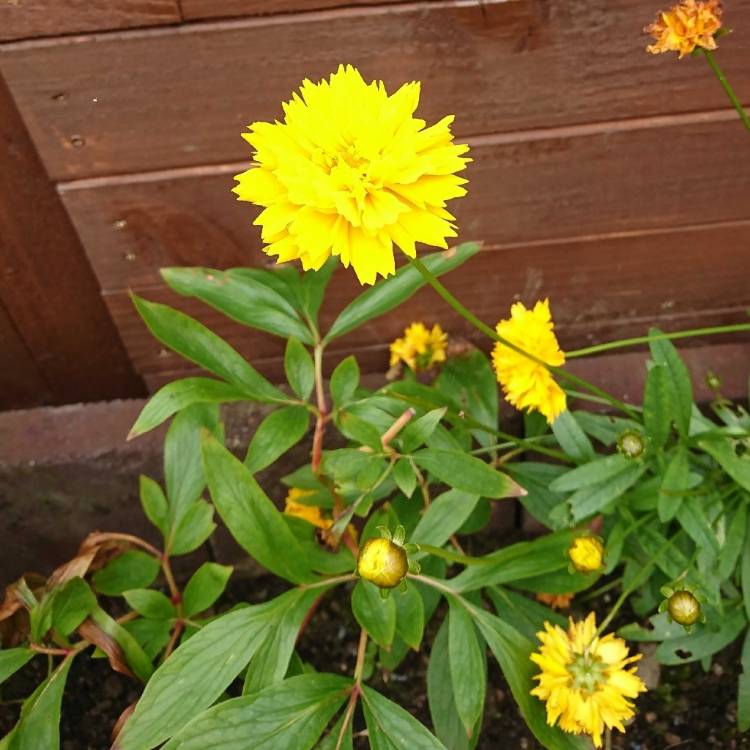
x=519, y=193
x=21, y=384
x=22, y=19
x=46, y=285
x=599, y=289
x=178, y=97
x=200, y=10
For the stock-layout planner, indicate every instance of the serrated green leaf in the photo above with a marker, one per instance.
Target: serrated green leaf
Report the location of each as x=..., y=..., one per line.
x=276, y=434
x=199, y=345
x=465, y=472
x=390, y=293
x=179, y=395
x=242, y=297
x=252, y=519
x=299, y=368
x=205, y=586
x=131, y=570
x=375, y=614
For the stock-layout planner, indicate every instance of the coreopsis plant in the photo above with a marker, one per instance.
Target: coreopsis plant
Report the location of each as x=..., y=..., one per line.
x=653, y=495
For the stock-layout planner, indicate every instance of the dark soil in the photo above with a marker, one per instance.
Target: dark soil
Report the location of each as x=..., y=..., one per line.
x=689, y=708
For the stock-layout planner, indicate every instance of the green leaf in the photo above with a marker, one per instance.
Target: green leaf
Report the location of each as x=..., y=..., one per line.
x=375, y=614
x=692, y=517
x=331, y=740
x=536, y=479
x=722, y=451
x=444, y=517
x=417, y=432
x=154, y=504
x=404, y=477
x=180, y=394
x=466, y=473
x=512, y=652
x=271, y=662
x=525, y=615
x=136, y=658
x=72, y=604
x=299, y=369
x=734, y=542
x=204, y=348
x=678, y=382
x=152, y=635
x=241, y=297
x=440, y=696
x=603, y=427
x=198, y=672
x=183, y=471
x=466, y=664
x=204, y=587
x=594, y=472
x=195, y=527
x=289, y=716
x=390, y=727
x=277, y=433
x=252, y=519
x=390, y=293
x=594, y=498
x=133, y=569
x=358, y=430
x=657, y=406
x=409, y=615
x=39, y=724
x=313, y=286
x=12, y=659
x=674, y=484
x=743, y=688
x=572, y=439
x=344, y=381
x=745, y=574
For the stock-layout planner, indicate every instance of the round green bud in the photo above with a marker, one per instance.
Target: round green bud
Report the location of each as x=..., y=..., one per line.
x=631, y=444
x=684, y=608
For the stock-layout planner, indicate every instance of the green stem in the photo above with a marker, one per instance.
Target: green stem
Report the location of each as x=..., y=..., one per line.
x=328, y=582
x=453, y=556
x=469, y=316
x=725, y=83
x=621, y=343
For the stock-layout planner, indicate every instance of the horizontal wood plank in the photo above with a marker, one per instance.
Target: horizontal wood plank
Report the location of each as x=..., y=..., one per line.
x=599, y=290
x=22, y=19
x=154, y=99
x=519, y=193
x=200, y=10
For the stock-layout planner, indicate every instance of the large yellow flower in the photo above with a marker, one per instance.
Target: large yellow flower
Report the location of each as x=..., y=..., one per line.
x=586, y=681
x=420, y=347
x=349, y=172
x=528, y=384
x=687, y=25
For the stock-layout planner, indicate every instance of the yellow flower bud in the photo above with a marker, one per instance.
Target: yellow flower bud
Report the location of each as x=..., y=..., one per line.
x=587, y=554
x=383, y=562
x=684, y=608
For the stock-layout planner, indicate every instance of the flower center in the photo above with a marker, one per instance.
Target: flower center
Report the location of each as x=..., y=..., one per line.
x=587, y=673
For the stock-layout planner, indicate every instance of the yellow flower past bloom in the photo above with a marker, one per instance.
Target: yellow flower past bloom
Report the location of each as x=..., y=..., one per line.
x=687, y=25
x=587, y=554
x=310, y=513
x=420, y=348
x=586, y=681
x=350, y=172
x=528, y=384
x=556, y=601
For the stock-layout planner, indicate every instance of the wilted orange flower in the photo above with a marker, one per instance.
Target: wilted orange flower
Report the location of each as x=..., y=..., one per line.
x=556, y=601
x=690, y=24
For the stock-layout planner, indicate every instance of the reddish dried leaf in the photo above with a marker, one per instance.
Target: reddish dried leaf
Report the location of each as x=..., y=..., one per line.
x=93, y=633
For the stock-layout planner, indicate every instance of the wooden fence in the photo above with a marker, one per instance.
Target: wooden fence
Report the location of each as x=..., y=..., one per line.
x=615, y=182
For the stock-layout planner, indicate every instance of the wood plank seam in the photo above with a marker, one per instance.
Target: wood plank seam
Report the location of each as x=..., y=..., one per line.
x=200, y=27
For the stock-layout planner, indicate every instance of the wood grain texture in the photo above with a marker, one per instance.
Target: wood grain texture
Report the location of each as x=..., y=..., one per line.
x=22, y=19
x=198, y=10
x=535, y=191
x=47, y=286
x=599, y=290
x=177, y=97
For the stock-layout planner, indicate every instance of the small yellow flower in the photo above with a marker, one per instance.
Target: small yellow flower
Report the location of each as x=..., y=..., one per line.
x=556, y=601
x=350, y=172
x=528, y=384
x=383, y=562
x=587, y=554
x=310, y=513
x=685, y=26
x=420, y=348
x=586, y=681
